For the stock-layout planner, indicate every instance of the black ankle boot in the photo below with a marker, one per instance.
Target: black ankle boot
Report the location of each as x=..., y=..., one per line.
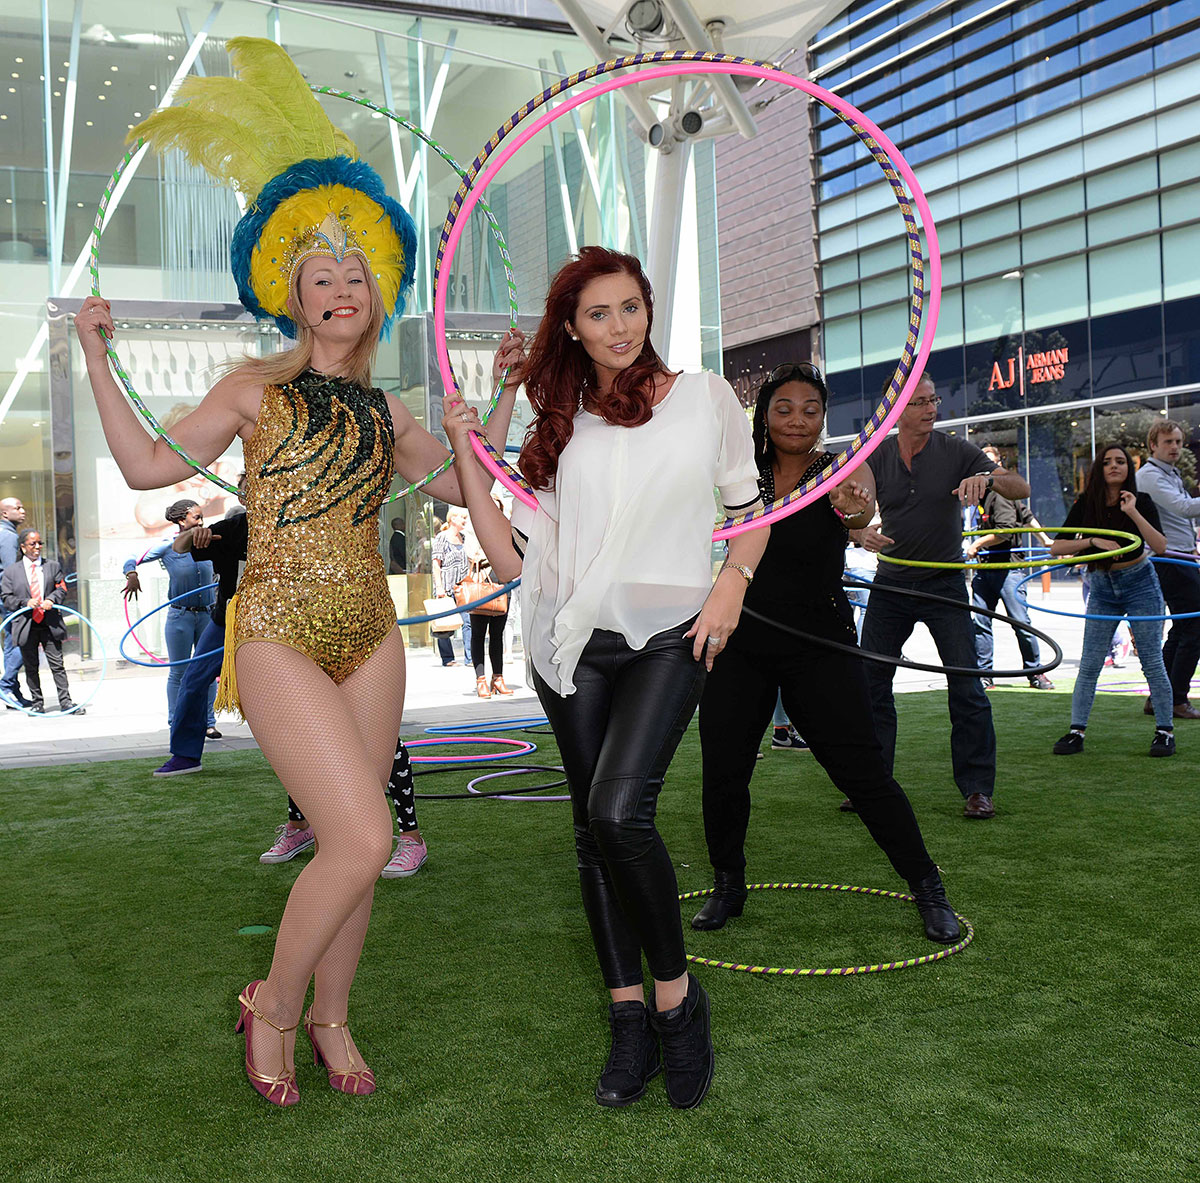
x=633, y=1058
x=725, y=902
x=941, y=924
x=687, y=1048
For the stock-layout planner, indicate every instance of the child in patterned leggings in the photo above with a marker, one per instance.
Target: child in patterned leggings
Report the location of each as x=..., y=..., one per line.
x=295, y=836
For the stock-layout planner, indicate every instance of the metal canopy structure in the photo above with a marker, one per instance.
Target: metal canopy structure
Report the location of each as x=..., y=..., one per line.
x=672, y=115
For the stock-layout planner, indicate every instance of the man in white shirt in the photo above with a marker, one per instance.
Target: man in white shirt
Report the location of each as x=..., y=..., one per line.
x=1160, y=479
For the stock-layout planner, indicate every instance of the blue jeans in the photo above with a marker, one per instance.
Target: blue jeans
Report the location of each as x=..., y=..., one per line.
x=779, y=718
x=989, y=587
x=889, y=623
x=859, y=596
x=193, y=706
x=1131, y=592
x=182, y=631
x=12, y=663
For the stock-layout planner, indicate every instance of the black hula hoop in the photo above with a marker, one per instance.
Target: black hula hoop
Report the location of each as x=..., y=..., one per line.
x=948, y=670
x=479, y=796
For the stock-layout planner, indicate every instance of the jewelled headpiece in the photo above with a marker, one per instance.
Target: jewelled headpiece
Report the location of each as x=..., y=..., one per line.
x=307, y=193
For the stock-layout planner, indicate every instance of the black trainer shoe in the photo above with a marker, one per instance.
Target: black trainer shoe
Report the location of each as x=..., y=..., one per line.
x=687, y=1048
x=1071, y=744
x=787, y=739
x=633, y=1058
x=727, y=901
x=929, y=894
x=1163, y=743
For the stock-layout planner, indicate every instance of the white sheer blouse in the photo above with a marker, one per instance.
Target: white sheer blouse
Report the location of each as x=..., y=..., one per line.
x=623, y=540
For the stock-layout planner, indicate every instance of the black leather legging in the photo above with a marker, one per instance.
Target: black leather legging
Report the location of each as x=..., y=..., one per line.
x=617, y=734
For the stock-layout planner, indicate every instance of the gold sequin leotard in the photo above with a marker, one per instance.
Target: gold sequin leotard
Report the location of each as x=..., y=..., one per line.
x=318, y=467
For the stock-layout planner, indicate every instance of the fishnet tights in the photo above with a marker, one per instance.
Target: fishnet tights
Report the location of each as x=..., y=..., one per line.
x=332, y=747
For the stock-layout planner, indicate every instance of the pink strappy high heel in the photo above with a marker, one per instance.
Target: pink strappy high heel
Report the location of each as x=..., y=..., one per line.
x=279, y=1090
x=359, y=1082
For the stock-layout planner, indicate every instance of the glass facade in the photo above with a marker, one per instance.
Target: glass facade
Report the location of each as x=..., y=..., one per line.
x=76, y=81
x=1056, y=144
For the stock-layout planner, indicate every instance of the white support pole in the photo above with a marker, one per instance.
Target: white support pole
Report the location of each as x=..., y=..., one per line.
x=68, y=134
x=388, y=101
x=55, y=243
x=670, y=179
x=592, y=38
x=697, y=38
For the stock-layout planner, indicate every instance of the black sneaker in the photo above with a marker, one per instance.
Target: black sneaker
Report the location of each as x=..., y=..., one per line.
x=633, y=1058
x=1163, y=743
x=1071, y=744
x=787, y=739
x=687, y=1048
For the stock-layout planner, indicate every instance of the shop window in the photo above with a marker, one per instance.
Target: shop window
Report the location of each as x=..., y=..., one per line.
x=1051, y=204
x=1058, y=457
x=991, y=308
x=1181, y=323
x=842, y=343
x=845, y=414
x=883, y=333
x=1127, y=351
x=1053, y=240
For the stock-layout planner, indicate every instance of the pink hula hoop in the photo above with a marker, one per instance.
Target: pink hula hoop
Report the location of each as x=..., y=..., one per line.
x=865, y=446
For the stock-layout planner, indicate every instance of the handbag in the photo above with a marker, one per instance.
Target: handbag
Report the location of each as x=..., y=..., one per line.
x=447, y=624
x=475, y=587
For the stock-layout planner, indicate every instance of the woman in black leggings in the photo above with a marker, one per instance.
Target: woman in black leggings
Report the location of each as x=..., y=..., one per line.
x=621, y=619
x=799, y=583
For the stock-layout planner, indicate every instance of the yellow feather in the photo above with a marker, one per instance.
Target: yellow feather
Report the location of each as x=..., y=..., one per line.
x=249, y=128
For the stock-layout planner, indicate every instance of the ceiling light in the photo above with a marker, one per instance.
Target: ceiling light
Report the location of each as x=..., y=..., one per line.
x=645, y=16
x=79, y=205
x=170, y=57
x=12, y=90
x=19, y=61
x=113, y=69
x=152, y=86
x=100, y=97
x=8, y=201
x=61, y=78
x=58, y=94
x=137, y=114
x=89, y=123
x=15, y=74
x=5, y=117
x=108, y=82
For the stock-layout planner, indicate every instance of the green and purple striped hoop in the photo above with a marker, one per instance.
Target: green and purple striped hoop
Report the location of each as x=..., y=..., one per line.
x=140, y=404
x=776, y=971
x=894, y=168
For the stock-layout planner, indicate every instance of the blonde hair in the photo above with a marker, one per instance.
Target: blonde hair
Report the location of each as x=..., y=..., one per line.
x=1163, y=427
x=277, y=369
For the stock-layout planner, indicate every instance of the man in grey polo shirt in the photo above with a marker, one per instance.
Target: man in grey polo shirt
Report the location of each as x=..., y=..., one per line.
x=12, y=514
x=1160, y=479
x=923, y=478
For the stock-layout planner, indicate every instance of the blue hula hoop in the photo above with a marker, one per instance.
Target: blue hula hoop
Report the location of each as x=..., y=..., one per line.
x=507, y=725
x=162, y=665
x=103, y=658
x=1100, y=616
x=458, y=610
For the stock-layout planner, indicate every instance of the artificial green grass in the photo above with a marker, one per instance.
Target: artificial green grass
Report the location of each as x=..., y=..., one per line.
x=1060, y=1045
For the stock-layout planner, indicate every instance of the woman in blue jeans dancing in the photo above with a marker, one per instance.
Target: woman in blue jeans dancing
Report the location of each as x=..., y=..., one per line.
x=1119, y=587
x=186, y=618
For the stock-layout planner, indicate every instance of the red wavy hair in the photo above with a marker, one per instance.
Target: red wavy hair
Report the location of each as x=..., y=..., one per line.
x=558, y=369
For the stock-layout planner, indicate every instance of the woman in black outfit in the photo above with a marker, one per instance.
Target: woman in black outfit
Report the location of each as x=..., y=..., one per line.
x=799, y=583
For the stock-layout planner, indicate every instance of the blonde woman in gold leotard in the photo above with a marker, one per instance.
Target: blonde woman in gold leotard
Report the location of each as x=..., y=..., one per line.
x=313, y=651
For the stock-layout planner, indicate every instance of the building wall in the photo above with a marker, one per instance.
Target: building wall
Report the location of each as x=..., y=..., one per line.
x=765, y=231
x=1057, y=145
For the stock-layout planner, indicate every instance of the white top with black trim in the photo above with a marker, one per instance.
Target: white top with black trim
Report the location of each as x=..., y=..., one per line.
x=623, y=540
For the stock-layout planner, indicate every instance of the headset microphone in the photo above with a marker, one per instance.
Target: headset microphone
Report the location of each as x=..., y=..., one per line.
x=326, y=315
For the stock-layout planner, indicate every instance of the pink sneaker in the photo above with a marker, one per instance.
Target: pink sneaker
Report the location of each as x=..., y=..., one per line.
x=408, y=858
x=288, y=844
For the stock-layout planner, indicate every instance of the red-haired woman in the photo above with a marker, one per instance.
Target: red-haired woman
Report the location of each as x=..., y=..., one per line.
x=622, y=620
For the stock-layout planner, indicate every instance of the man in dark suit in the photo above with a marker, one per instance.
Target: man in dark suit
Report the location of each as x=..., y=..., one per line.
x=37, y=584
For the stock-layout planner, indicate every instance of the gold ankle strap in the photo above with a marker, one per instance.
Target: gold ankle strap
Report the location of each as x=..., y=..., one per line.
x=249, y=1005
x=311, y=1022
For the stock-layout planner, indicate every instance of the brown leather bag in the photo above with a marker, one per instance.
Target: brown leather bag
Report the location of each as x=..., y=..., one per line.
x=474, y=588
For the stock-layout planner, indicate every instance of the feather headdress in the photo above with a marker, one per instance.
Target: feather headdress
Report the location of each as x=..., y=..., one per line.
x=307, y=193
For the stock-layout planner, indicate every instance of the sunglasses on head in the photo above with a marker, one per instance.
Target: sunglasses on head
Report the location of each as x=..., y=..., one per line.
x=803, y=370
